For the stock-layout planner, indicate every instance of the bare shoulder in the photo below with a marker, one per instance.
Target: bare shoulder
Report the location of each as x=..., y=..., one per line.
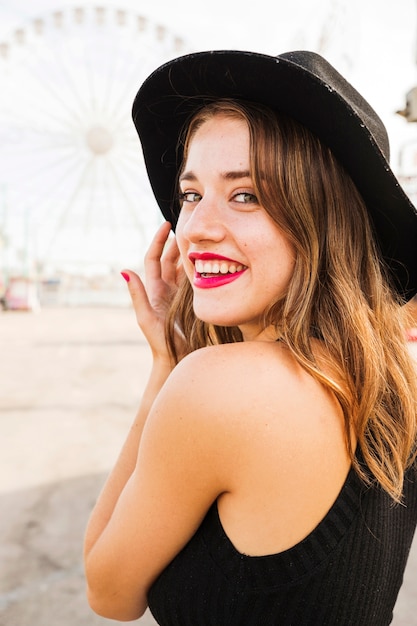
x=256, y=361
x=250, y=422
x=253, y=383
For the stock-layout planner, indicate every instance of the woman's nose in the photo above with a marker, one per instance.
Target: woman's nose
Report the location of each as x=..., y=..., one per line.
x=204, y=222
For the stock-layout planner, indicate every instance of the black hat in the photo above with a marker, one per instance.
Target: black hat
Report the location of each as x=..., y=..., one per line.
x=304, y=86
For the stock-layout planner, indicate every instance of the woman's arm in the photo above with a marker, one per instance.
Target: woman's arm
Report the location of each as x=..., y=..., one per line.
x=148, y=512
x=127, y=459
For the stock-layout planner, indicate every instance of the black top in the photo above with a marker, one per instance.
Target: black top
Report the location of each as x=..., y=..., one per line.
x=347, y=572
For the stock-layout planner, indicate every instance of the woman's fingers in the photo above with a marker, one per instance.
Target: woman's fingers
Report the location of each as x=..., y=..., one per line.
x=151, y=302
x=138, y=294
x=162, y=264
x=170, y=263
x=153, y=256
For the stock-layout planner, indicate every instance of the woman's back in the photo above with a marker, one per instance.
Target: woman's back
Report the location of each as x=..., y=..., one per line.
x=279, y=547
x=281, y=439
x=347, y=571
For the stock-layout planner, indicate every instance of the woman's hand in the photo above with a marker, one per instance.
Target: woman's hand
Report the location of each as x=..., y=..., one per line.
x=151, y=300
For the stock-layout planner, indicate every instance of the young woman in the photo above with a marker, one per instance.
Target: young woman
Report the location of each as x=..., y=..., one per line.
x=269, y=477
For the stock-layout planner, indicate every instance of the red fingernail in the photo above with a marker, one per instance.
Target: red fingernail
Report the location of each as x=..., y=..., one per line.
x=125, y=276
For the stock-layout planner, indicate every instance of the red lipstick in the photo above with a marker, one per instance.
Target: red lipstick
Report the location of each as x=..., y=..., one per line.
x=208, y=279
x=208, y=256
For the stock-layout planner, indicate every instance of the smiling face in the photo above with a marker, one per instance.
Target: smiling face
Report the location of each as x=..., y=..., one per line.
x=236, y=258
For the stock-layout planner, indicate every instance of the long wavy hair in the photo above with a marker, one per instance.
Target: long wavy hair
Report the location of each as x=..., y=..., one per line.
x=339, y=291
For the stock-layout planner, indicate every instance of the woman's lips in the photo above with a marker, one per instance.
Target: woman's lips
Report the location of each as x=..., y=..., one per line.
x=208, y=282
x=214, y=270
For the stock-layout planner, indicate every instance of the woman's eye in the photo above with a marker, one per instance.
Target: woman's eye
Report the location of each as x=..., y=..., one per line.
x=246, y=198
x=190, y=196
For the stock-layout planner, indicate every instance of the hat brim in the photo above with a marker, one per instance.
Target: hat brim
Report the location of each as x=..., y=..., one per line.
x=176, y=90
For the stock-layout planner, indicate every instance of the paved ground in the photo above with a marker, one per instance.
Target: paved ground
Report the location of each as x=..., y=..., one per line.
x=70, y=382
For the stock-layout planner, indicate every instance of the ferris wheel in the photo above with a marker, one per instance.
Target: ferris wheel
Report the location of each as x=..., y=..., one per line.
x=73, y=187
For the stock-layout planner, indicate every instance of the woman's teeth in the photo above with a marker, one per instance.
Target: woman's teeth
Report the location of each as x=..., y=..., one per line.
x=217, y=267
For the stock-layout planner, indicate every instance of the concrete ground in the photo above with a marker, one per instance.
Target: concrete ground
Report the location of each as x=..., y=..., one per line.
x=70, y=382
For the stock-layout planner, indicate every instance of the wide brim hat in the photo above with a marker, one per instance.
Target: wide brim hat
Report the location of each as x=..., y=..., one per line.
x=304, y=86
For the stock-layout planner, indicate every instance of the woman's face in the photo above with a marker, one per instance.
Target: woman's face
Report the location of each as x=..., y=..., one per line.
x=236, y=258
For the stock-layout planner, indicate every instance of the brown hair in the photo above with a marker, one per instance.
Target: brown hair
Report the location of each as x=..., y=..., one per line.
x=339, y=291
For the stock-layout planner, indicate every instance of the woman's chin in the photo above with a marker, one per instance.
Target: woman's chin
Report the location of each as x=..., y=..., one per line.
x=215, y=318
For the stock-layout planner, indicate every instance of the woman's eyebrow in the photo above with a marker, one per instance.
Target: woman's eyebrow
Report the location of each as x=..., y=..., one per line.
x=236, y=175
x=232, y=175
x=187, y=176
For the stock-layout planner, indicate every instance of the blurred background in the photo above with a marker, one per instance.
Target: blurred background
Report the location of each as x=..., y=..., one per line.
x=76, y=208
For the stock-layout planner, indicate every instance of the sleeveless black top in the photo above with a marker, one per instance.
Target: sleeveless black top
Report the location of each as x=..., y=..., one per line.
x=347, y=572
